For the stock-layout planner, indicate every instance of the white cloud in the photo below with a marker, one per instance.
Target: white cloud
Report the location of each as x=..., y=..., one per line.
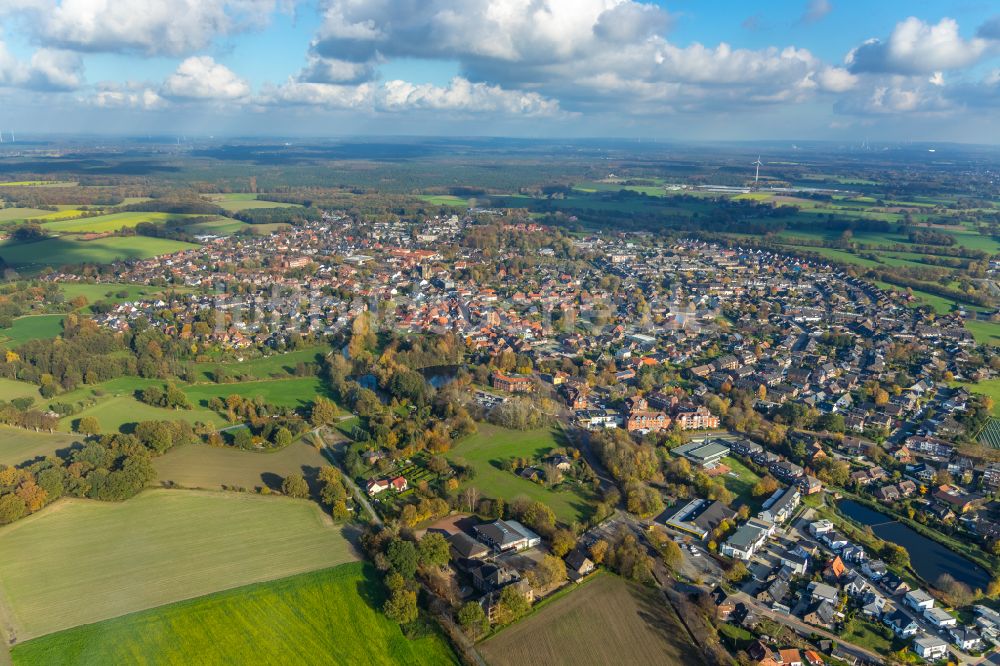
x=397, y=96
x=48, y=69
x=146, y=99
x=201, y=78
x=816, y=10
x=836, y=79
x=916, y=47
x=150, y=27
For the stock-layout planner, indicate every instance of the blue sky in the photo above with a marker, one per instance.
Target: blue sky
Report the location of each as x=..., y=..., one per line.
x=684, y=69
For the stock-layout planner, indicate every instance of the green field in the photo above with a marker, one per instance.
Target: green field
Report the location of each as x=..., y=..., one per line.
x=109, y=291
x=296, y=392
x=491, y=445
x=741, y=484
x=11, y=388
x=444, y=200
x=990, y=387
x=211, y=468
x=32, y=327
x=80, y=561
x=38, y=183
x=266, y=367
x=18, y=445
x=113, y=412
x=324, y=617
x=237, y=201
x=985, y=332
x=112, y=222
x=13, y=214
x=604, y=621
x=55, y=252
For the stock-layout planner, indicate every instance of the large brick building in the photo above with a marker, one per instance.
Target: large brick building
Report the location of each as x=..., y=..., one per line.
x=512, y=383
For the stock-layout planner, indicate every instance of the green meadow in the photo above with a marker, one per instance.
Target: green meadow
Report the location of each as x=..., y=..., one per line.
x=31, y=327
x=331, y=616
x=81, y=561
x=55, y=252
x=491, y=445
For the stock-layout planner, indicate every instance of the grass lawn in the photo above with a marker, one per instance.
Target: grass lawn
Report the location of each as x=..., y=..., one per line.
x=11, y=388
x=295, y=392
x=31, y=327
x=445, y=200
x=109, y=291
x=80, y=561
x=862, y=633
x=491, y=445
x=13, y=214
x=208, y=467
x=116, y=410
x=111, y=222
x=991, y=388
x=742, y=483
x=985, y=332
x=324, y=617
x=607, y=620
x=265, y=367
x=55, y=252
x=18, y=445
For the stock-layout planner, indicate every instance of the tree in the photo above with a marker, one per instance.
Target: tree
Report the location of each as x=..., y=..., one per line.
x=282, y=437
x=562, y=542
x=402, y=557
x=671, y=554
x=433, y=550
x=737, y=572
x=243, y=438
x=765, y=486
x=550, y=570
x=88, y=425
x=401, y=606
x=295, y=486
x=598, y=550
x=512, y=605
x=472, y=619
x=12, y=508
x=895, y=556
x=324, y=411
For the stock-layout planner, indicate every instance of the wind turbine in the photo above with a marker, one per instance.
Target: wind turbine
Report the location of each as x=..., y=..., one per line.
x=756, y=175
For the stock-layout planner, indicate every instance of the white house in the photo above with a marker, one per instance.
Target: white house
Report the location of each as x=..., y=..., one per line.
x=918, y=600
x=940, y=618
x=930, y=648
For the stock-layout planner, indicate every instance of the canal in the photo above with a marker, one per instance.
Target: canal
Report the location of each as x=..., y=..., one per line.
x=929, y=558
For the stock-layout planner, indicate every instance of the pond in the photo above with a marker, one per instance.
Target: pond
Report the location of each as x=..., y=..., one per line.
x=440, y=375
x=929, y=558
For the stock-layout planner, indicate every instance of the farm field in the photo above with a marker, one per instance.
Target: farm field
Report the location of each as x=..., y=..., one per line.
x=492, y=444
x=55, y=252
x=237, y=201
x=605, y=621
x=12, y=214
x=211, y=468
x=111, y=222
x=296, y=392
x=324, y=617
x=160, y=547
x=990, y=436
x=18, y=445
x=444, y=200
x=12, y=388
x=31, y=327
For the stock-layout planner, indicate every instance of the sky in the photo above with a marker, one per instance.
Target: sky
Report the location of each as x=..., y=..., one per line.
x=843, y=70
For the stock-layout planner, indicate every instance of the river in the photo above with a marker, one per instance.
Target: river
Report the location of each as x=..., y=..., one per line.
x=929, y=558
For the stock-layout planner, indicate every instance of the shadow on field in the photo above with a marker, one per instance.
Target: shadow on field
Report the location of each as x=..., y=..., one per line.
x=660, y=618
x=271, y=480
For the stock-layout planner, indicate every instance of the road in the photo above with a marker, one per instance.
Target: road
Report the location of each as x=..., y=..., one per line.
x=803, y=629
x=359, y=495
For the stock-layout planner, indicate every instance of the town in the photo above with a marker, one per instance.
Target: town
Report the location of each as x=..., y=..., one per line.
x=762, y=418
